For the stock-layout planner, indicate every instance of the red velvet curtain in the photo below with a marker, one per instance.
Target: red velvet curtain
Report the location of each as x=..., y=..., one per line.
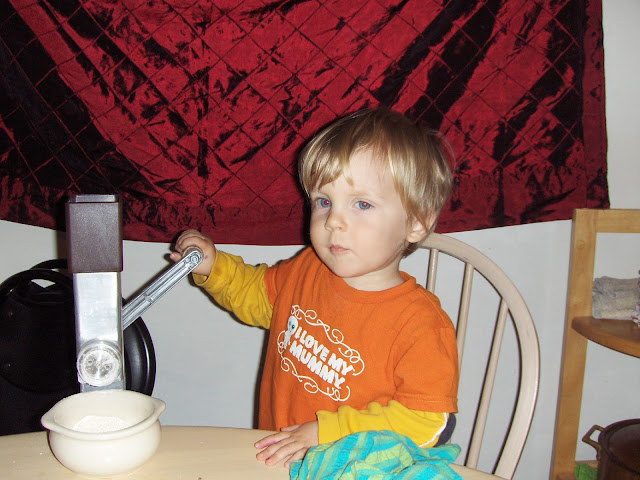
x=194, y=111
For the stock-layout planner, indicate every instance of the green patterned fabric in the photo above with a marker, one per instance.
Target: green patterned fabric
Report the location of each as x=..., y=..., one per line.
x=376, y=455
x=585, y=472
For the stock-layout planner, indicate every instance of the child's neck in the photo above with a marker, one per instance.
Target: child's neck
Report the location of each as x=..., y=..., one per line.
x=375, y=282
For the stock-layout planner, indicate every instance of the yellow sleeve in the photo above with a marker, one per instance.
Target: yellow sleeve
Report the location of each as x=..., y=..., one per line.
x=424, y=428
x=239, y=288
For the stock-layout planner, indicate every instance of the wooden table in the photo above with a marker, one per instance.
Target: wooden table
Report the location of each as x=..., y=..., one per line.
x=185, y=453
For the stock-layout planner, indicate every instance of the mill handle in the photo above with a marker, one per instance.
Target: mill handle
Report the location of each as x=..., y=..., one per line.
x=191, y=258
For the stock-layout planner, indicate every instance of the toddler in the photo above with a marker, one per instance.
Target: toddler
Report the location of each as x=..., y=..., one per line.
x=354, y=344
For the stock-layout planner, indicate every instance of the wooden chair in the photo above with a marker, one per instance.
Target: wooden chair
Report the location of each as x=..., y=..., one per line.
x=520, y=362
x=580, y=326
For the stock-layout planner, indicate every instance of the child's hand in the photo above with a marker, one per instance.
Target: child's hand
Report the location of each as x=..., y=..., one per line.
x=291, y=443
x=193, y=238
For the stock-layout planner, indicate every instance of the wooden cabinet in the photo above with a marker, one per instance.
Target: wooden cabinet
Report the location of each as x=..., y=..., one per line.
x=580, y=328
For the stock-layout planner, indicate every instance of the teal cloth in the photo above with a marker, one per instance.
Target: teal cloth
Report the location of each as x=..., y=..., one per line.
x=376, y=455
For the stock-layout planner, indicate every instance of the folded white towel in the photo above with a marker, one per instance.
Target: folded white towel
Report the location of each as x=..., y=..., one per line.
x=615, y=298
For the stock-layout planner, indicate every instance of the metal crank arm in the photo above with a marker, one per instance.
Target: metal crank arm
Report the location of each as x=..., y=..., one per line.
x=191, y=258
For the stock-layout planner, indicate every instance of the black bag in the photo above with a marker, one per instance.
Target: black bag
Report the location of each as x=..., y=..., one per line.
x=38, y=351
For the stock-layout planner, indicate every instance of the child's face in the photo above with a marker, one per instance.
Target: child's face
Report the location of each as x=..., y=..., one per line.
x=360, y=231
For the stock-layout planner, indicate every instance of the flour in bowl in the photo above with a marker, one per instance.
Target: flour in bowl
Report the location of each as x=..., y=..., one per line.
x=100, y=424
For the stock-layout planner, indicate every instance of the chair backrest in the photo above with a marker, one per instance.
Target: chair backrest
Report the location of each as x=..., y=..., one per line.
x=522, y=361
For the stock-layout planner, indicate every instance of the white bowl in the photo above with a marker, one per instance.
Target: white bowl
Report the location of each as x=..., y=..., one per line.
x=104, y=433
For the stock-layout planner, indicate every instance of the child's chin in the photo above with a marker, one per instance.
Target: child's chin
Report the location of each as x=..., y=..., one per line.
x=340, y=270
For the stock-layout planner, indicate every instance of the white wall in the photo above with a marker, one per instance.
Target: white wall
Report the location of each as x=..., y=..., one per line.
x=207, y=363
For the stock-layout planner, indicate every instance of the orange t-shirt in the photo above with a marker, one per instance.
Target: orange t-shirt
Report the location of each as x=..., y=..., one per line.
x=332, y=345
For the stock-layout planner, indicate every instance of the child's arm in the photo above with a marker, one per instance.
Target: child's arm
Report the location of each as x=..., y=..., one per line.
x=424, y=428
x=239, y=288
x=235, y=286
x=292, y=442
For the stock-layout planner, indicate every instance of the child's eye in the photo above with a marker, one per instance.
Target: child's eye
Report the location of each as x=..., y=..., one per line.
x=362, y=205
x=323, y=202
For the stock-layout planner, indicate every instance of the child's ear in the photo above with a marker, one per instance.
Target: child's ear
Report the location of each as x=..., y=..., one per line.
x=418, y=230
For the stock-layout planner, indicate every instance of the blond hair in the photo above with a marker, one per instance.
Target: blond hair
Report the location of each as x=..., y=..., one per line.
x=418, y=159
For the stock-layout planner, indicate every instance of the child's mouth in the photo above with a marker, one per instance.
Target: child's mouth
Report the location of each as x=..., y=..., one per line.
x=337, y=249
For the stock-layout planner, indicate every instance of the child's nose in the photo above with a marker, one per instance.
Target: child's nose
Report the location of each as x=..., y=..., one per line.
x=335, y=220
